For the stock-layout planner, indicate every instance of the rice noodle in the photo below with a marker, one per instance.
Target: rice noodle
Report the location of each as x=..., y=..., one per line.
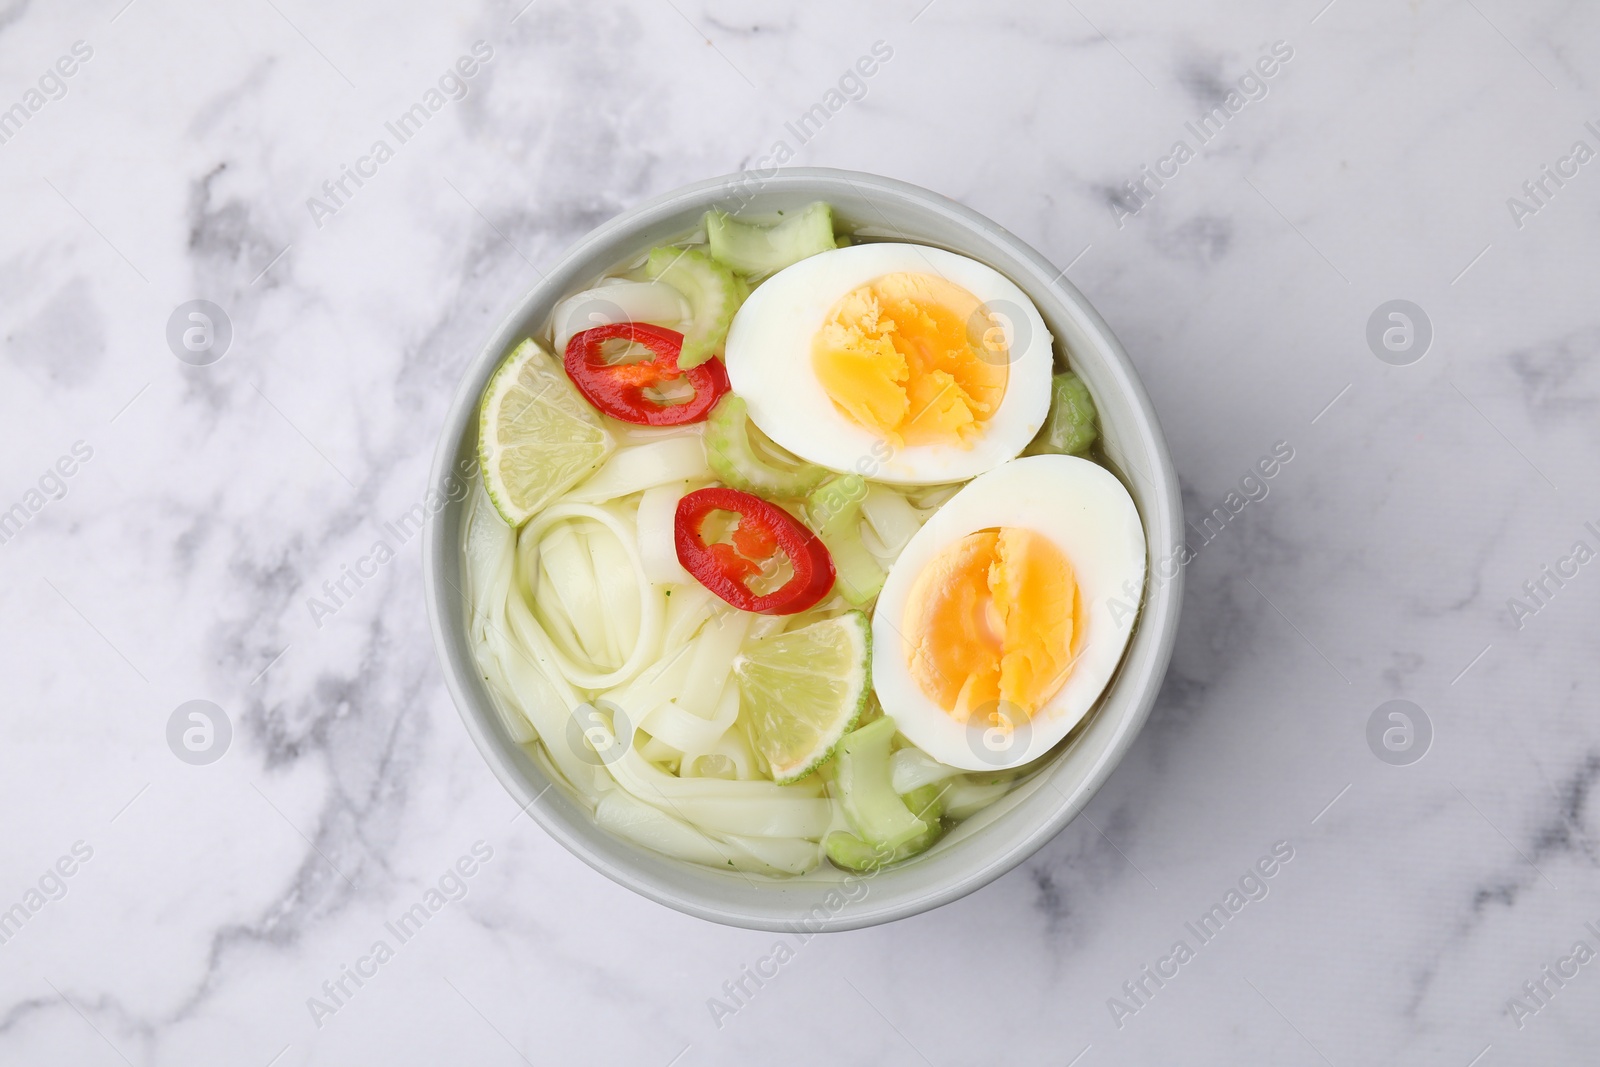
x=647, y=825
x=622, y=608
x=763, y=809
x=658, y=510
x=629, y=470
x=659, y=752
x=734, y=746
x=711, y=661
x=688, y=732
x=591, y=617
x=654, y=686
x=709, y=765
x=644, y=824
x=490, y=559
x=565, y=591
x=687, y=610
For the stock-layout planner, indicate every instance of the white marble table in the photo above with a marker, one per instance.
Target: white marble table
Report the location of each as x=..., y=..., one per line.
x=206, y=905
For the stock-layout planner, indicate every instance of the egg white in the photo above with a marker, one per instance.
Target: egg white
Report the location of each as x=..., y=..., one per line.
x=1087, y=513
x=768, y=355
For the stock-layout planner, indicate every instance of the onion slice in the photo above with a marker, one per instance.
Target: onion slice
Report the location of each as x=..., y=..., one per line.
x=654, y=302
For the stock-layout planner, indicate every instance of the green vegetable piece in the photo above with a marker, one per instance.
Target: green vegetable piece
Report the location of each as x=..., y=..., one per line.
x=926, y=802
x=847, y=850
x=736, y=462
x=875, y=812
x=714, y=294
x=760, y=250
x=834, y=514
x=1073, y=425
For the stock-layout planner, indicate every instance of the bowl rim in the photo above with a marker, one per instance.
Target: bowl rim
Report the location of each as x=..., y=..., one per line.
x=1160, y=611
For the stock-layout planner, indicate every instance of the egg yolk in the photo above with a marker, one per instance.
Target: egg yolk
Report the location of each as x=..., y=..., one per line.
x=993, y=625
x=914, y=358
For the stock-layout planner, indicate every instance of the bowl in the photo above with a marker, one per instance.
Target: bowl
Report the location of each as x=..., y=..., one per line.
x=998, y=838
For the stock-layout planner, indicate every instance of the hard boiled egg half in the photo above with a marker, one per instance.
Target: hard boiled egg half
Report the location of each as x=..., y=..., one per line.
x=904, y=363
x=1007, y=613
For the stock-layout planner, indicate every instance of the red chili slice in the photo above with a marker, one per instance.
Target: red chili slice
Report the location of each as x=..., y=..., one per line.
x=622, y=390
x=763, y=531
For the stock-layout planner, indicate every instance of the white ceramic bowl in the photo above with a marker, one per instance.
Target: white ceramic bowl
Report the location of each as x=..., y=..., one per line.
x=998, y=838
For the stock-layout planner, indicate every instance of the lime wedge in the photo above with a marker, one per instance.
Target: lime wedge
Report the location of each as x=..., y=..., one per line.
x=802, y=691
x=537, y=437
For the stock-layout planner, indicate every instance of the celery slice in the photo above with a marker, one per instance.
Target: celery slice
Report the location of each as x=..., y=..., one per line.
x=834, y=513
x=847, y=850
x=760, y=250
x=850, y=852
x=714, y=293
x=1073, y=424
x=735, y=462
x=875, y=812
x=926, y=803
